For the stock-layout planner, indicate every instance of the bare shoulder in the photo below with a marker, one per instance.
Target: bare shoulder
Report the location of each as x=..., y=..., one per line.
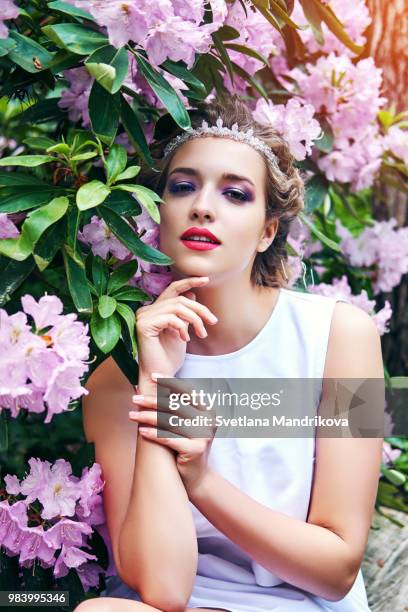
x=354, y=347
x=108, y=401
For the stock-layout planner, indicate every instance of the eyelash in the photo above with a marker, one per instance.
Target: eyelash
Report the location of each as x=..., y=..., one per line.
x=173, y=189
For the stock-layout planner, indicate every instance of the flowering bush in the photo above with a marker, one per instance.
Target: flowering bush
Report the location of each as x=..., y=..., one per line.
x=86, y=88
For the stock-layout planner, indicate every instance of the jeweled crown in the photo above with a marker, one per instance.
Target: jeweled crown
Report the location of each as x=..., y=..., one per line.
x=220, y=130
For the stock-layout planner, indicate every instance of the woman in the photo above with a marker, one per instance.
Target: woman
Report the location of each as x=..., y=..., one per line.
x=238, y=524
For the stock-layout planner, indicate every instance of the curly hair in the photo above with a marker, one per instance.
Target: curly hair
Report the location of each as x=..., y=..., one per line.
x=284, y=187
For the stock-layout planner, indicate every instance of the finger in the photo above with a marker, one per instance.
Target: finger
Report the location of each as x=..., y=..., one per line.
x=177, y=287
x=190, y=295
x=172, y=321
x=189, y=315
x=181, y=445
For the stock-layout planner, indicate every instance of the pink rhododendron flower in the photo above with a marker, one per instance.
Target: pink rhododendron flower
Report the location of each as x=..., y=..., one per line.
x=7, y=227
x=8, y=11
x=41, y=364
x=340, y=288
x=389, y=454
x=102, y=240
x=294, y=121
x=381, y=245
x=396, y=141
x=61, y=494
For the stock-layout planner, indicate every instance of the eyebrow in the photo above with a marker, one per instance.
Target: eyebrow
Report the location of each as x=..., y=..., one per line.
x=226, y=175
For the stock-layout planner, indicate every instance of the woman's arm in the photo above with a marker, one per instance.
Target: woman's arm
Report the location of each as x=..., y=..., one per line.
x=324, y=554
x=157, y=541
x=147, y=514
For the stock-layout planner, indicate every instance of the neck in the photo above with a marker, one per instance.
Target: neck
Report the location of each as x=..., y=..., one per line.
x=242, y=312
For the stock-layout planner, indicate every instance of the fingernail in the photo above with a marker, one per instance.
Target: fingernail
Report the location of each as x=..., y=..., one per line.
x=144, y=430
x=133, y=414
x=156, y=375
x=214, y=318
x=137, y=398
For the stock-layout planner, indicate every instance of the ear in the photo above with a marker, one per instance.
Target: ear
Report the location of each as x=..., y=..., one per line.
x=269, y=233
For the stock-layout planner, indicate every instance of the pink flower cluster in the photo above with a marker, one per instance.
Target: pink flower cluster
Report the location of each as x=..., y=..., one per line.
x=341, y=288
x=8, y=11
x=7, y=227
x=353, y=14
x=171, y=29
x=382, y=246
x=41, y=365
x=256, y=33
x=396, y=142
x=149, y=277
x=389, y=454
x=70, y=508
x=294, y=121
x=348, y=96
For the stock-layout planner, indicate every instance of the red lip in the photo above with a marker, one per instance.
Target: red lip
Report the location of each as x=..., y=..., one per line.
x=199, y=231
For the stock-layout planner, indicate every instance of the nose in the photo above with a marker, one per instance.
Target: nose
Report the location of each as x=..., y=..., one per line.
x=200, y=210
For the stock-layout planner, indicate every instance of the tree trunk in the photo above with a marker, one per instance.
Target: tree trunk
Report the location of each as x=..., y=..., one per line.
x=387, y=44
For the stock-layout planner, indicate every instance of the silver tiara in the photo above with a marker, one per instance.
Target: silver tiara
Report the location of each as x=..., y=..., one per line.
x=220, y=130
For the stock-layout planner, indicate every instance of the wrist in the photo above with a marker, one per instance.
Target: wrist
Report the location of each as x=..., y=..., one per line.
x=201, y=488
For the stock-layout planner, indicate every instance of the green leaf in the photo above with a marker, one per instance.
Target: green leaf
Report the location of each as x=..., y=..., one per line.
x=129, y=173
x=227, y=32
x=143, y=198
x=123, y=204
x=39, y=142
x=77, y=283
x=399, y=382
x=103, y=112
x=248, y=51
x=44, y=110
x=128, y=316
x=84, y=156
x=395, y=476
x=109, y=66
x=115, y=162
x=251, y=80
x=120, y=276
x=68, y=9
x=327, y=241
x=59, y=147
x=165, y=92
x=136, y=135
x=13, y=274
x=184, y=74
x=6, y=45
x=28, y=161
x=129, y=238
x=148, y=203
x=91, y=194
x=19, y=179
x=24, y=200
x=126, y=362
x=33, y=227
x=100, y=274
x=28, y=54
x=4, y=431
x=106, y=306
x=131, y=294
x=314, y=18
x=105, y=332
x=49, y=244
x=75, y=37
x=326, y=141
x=219, y=45
x=328, y=16
x=315, y=192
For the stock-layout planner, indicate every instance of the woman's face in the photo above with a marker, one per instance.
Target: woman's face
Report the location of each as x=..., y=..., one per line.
x=216, y=184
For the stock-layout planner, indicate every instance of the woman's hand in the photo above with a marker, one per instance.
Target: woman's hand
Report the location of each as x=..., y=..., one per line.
x=192, y=452
x=162, y=327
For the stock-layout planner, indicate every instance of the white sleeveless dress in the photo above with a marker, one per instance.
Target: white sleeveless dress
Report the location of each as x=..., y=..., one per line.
x=277, y=472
